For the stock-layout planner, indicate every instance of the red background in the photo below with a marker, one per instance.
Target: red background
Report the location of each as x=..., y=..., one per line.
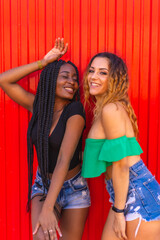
x=28, y=28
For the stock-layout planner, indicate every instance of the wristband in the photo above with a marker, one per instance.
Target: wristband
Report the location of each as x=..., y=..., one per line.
x=117, y=210
x=39, y=64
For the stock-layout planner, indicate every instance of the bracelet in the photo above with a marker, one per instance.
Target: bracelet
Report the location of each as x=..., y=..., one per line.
x=117, y=210
x=39, y=64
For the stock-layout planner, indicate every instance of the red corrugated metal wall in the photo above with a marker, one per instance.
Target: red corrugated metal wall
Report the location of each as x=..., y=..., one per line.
x=28, y=28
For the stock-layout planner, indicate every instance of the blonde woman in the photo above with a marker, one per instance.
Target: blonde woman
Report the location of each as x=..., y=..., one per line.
x=112, y=148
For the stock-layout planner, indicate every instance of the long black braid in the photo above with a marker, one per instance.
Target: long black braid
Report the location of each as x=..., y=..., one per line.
x=43, y=107
x=77, y=95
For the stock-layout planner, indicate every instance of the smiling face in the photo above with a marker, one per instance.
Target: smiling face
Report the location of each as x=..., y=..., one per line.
x=97, y=76
x=67, y=82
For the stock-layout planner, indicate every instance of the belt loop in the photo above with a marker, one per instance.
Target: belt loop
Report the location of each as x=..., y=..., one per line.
x=69, y=182
x=134, y=173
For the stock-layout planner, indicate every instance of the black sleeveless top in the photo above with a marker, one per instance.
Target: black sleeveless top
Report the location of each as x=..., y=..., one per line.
x=56, y=137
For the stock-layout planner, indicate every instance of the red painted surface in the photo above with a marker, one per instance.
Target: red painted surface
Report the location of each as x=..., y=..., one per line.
x=130, y=28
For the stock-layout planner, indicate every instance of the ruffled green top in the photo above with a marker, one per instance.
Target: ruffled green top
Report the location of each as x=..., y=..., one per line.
x=100, y=153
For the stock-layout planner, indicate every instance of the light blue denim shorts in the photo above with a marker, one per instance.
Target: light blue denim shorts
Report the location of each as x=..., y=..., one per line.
x=74, y=192
x=143, y=199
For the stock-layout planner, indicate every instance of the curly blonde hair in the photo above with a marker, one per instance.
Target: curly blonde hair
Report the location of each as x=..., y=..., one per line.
x=117, y=90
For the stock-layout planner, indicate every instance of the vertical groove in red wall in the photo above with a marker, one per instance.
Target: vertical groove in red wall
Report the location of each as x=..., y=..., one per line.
x=49, y=26
x=149, y=87
x=52, y=24
x=129, y=38
x=158, y=60
x=153, y=90
x=144, y=74
x=28, y=31
x=3, y=219
x=135, y=70
x=72, y=24
x=67, y=25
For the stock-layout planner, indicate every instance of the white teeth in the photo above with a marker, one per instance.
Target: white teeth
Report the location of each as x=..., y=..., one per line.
x=69, y=89
x=94, y=84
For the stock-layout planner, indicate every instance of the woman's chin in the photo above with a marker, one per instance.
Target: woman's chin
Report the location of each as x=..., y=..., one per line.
x=92, y=93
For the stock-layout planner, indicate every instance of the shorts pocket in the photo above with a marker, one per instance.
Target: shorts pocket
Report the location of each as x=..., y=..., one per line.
x=154, y=188
x=149, y=194
x=79, y=184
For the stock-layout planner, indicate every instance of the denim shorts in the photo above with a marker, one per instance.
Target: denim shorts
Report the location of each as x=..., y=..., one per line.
x=143, y=199
x=74, y=192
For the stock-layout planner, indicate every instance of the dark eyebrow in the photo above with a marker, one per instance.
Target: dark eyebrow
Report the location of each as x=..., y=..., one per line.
x=74, y=74
x=64, y=72
x=68, y=72
x=101, y=68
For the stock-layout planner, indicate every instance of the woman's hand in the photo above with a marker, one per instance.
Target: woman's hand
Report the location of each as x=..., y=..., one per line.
x=56, y=52
x=49, y=224
x=119, y=225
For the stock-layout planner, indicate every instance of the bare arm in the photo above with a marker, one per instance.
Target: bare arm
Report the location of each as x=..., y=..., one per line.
x=114, y=127
x=9, y=79
x=120, y=178
x=8, y=82
x=74, y=128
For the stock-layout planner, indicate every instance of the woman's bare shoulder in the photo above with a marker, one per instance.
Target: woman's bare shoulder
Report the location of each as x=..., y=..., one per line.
x=113, y=109
x=113, y=120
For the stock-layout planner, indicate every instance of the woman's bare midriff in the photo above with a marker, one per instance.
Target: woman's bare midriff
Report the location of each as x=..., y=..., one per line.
x=131, y=161
x=71, y=173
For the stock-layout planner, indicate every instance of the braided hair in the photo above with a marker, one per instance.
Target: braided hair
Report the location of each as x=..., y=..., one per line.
x=117, y=87
x=43, y=113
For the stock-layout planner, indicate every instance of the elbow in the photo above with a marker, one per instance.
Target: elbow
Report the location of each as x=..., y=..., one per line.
x=1, y=81
x=120, y=172
x=125, y=169
x=121, y=166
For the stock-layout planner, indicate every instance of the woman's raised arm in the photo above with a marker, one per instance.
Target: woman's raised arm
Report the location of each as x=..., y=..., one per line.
x=9, y=79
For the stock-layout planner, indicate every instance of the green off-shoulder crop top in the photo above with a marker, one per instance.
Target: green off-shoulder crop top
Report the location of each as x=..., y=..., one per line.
x=100, y=153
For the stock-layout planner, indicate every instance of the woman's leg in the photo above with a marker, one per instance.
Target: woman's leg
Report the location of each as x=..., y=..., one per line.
x=35, y=211
x=108, y=233
x=72, y=223
x=146, y=231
